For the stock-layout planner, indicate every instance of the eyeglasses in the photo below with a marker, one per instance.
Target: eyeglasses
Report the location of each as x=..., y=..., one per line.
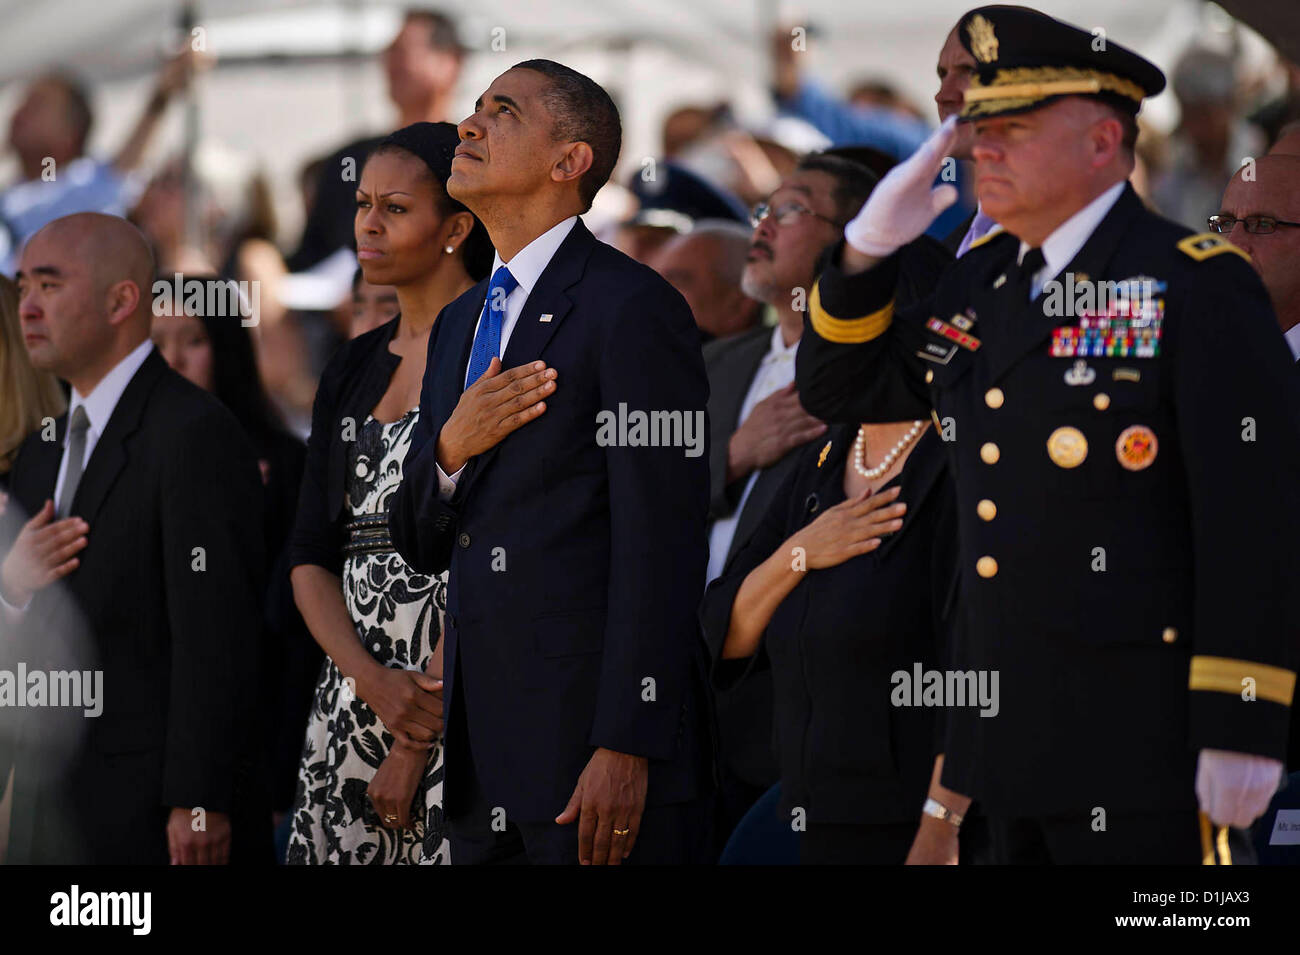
x=1255, y=225
x=787, y=213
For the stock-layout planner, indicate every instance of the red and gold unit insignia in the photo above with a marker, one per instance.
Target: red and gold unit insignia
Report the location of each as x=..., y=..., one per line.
x=1136, y=447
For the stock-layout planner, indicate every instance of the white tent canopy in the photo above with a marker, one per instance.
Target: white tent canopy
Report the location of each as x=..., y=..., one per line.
x=295, y=79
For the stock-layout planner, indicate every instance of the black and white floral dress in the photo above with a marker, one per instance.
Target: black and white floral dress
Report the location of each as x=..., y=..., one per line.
x=398, y=616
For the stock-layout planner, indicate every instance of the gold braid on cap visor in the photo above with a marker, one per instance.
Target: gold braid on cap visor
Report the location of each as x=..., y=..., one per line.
x=1026, y=85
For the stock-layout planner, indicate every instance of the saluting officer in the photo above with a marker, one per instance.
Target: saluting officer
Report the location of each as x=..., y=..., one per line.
x=1125, y=440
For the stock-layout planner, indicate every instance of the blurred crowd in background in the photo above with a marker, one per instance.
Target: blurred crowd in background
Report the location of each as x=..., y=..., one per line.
x=710, y=172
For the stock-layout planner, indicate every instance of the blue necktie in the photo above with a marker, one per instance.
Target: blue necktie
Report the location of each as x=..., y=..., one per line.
x=487, y=341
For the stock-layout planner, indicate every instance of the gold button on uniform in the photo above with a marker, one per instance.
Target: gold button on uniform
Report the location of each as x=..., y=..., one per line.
x=994, y=398
x=1170, y=635
x=986, y=509
x=1101, y=401
x=989, y=453
x=929, y=375
x=986, y=567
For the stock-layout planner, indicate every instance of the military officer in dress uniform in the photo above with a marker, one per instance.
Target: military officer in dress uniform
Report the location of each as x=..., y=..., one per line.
x=1120, y=420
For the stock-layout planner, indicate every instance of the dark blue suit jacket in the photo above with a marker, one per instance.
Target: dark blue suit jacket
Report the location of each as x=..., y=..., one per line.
x=576, y=568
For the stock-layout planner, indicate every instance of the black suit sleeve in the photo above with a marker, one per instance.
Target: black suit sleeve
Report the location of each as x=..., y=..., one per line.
x=857, y=358
x=723, y=497
x=211, y=499
x=658, y=501
x=421, y=524
x=314, y=538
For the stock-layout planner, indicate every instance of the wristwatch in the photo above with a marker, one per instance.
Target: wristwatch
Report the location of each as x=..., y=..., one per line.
x=937, y=809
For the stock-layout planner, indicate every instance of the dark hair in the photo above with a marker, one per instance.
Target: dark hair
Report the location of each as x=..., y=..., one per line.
x=80, y=115
x=433, y=144
x=581, y=111
x=236, y=381
x=853, y=181
x=443, y=34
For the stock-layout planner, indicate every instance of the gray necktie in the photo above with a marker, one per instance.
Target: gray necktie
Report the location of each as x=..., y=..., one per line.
x=76, y=458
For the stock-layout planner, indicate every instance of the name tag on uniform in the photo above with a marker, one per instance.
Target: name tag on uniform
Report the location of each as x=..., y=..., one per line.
x=939, y=354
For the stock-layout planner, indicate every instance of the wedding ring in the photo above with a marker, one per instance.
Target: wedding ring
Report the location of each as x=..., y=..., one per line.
x=621, y=832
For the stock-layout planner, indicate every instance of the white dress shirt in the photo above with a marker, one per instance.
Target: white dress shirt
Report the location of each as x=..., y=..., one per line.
x=1293, y=340
x=774, y=373
x=99, y=405
x=527, y=267
x=1064, y=243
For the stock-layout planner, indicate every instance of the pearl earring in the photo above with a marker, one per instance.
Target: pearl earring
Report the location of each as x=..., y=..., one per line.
x=450, y=249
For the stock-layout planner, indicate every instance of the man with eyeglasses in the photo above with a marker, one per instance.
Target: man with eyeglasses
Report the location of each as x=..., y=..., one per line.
x=758, y=425
x=1261, y=216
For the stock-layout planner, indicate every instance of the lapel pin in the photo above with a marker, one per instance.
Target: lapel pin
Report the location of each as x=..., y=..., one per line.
x=822, y=457
x=1000, y=281
x=546, y=317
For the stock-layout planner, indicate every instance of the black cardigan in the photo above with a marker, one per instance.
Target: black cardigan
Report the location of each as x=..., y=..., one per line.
x=350, y=387
x=847, y=756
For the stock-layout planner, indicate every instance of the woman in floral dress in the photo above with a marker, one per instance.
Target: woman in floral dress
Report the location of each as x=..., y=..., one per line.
x=370, y=784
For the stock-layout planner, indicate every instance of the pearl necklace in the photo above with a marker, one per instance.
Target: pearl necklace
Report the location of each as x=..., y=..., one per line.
x=860, y=448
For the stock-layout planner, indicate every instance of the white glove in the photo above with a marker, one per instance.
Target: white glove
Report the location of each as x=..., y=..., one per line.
x=903, y=205
x=1234, y=789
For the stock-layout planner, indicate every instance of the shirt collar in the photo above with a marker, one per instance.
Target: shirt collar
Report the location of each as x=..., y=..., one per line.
x=1293, y=339
x=1064, y=243
x=103, y=398
x=982, y=224
x=530, y=261
x=778, y=348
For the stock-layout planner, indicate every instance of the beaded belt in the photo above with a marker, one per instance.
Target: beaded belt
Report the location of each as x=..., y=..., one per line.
x=368, y=535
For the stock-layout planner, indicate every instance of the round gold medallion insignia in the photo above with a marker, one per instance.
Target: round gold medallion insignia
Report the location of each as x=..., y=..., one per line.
x=1067, y=447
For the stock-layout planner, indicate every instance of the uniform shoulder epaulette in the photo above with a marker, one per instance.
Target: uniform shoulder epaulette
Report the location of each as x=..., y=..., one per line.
x=1205, y=245
x=987, y=237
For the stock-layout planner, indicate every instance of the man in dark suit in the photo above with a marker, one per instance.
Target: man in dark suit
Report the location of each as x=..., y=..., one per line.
x=157, y=548
x=1259, y=214
x=1260, y=209
x=573, y=528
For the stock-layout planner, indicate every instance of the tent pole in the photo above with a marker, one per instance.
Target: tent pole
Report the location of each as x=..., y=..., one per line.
x=193, y=221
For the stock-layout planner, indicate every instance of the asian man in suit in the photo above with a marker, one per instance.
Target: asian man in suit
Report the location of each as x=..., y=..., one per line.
x=145, y=528
x=576, y=686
